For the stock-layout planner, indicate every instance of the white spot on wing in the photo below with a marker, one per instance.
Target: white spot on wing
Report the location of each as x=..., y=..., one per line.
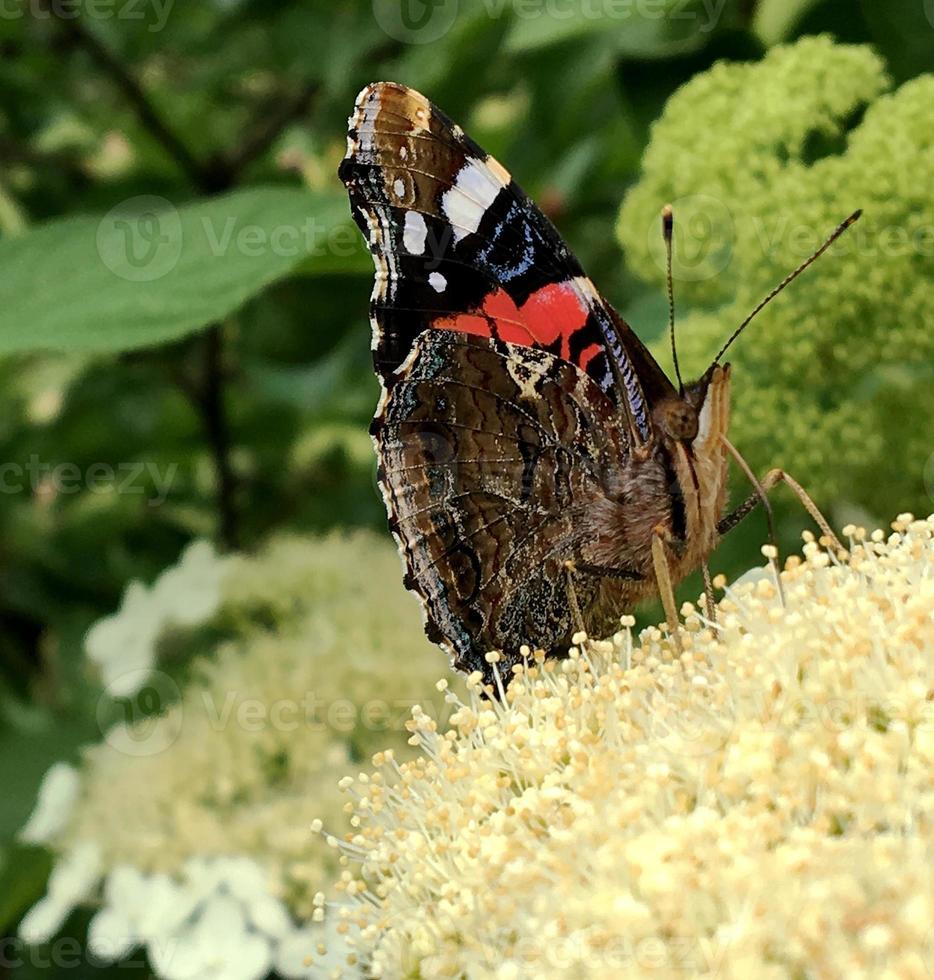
x=398, y=187
x=474, y=190
x=586, y=287
x=392, y=269
x=414, y=233
x=437, y=282
x=381, y=277
x=363, y=121
x=529, y=373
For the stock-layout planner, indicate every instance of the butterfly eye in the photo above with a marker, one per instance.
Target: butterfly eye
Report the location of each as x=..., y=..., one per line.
x=678, y=419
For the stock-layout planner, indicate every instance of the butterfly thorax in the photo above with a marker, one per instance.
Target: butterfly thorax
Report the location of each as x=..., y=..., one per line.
x=677, y=482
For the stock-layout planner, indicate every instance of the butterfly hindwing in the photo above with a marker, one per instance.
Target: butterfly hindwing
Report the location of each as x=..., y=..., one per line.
x=489, y=456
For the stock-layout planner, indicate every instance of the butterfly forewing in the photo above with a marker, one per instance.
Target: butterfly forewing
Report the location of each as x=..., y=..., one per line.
x=452, y=234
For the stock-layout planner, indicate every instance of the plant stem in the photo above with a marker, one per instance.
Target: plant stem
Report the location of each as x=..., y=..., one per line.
x=148, y=115
x=219, y=173
x=217, y=429
x=260, y=135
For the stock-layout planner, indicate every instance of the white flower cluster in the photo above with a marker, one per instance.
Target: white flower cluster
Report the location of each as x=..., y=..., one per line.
x=189, y=832
x=215, y=919
x=759, y=804
x=123, y=646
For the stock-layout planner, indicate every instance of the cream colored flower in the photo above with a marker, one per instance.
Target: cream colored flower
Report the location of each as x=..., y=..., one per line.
x=123, y=646
x=57, y=795
x=761, y=805
x=72, y=882
x=201, y=817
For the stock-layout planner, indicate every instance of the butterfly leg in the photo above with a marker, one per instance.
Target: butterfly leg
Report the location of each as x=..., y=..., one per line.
x=570, y=569
x=605, y=571
x=662, y=540
x=772, y=478
x=709, y=598
x=574, y=568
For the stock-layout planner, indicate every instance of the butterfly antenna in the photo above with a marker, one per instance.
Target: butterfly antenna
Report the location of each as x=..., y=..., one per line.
x=838, y=231
x=668, y=224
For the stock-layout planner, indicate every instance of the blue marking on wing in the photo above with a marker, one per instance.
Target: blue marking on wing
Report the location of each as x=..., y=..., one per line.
x=518, y=262
x=627, y=372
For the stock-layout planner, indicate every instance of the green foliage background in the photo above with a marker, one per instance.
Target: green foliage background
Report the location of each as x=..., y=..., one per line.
x=240, y=364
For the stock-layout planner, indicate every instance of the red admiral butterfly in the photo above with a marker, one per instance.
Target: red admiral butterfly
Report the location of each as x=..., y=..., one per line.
x=539, y=469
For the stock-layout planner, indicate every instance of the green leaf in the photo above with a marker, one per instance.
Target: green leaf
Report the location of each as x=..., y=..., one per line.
x=775, y=20
x=652, y=28
x=147, y=273
x=903, y=32
x=339, y=385
x=24, y=871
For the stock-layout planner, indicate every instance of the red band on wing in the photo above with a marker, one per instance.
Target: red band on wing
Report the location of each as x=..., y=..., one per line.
x=551, y=314
x=587, y=355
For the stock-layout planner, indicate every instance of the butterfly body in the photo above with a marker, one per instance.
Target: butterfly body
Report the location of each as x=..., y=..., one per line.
x=530, y=448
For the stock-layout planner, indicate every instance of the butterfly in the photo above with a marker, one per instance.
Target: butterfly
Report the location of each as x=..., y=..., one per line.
x=541, y=473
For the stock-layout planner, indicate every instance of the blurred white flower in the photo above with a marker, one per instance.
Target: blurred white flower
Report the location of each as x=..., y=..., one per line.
x=43, y=920
x=216, y=944
x=73, y=881
x=190, y=593
x=110, y=938
x=202, y=812
x=123, y=646
x=57, y=796
x=218, y=919
x=137, y=909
